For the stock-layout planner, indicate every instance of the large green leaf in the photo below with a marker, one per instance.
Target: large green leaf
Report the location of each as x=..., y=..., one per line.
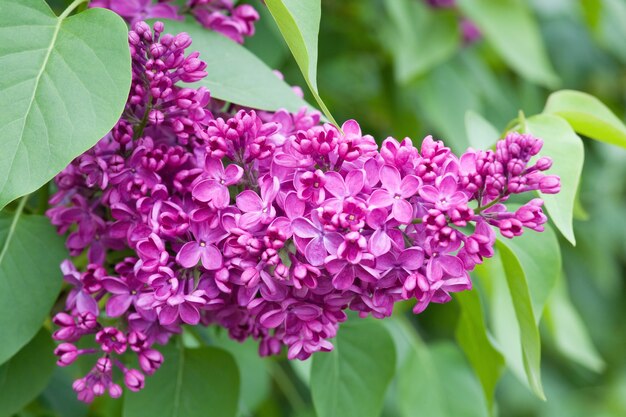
x=26, y=374
x=419, y=38
x=64, y=84
x=299, y=23
x=531, y=265
x=190, y=383
x=433, y=380
x=588, y=116
x=235, y=74
x=568, y=329
x=518, y=287
x=351, y=381
x=539, y=255
x=566, y=149
x=471, y=333
x=510, y=27
x=30, y=279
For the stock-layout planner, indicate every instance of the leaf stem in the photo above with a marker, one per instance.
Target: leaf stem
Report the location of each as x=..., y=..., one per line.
x=486, y=206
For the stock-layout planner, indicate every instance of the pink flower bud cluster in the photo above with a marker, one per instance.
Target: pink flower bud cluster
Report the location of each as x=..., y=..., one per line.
x=222, y=16
x=270, y=225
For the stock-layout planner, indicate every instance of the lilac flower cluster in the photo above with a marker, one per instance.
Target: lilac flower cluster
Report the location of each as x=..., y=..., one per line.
x=222, y=16
x=270, y=225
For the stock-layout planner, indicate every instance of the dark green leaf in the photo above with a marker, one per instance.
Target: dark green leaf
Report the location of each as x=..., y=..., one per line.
x=299, y=23
x=567, y=152
x=191, y=383
x=353, y=378
x=64, y=84
x=30, y=278
x=510, y=27
x=26, y=374
x=253, y=372
x=588, y=116
x=235, y=74
x=471, y=333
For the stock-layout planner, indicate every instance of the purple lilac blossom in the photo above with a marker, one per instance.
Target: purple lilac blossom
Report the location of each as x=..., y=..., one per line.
x=222, y=16
x=271, y=225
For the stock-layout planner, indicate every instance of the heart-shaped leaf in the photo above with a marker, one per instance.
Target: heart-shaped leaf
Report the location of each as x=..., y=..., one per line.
x=64, y=84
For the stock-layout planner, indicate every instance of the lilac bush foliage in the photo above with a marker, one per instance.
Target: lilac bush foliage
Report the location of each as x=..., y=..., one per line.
x=269, y=224
x=222, y=16
x=469, y=31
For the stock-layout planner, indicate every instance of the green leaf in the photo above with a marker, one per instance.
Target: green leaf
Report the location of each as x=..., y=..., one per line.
x=253, y=371
x=539, y=255
x=299, y=23
x=588, y=116
x=64, y=84
x=510, y=27
x=568, y=330
x=433, y=380
x=480, y=133
x=419, y=38
x=531, y=264
x=30, y=278
x=472, y=336
x=353, y=378
x=566, y=149
x=190, y=383
x=235, y=74
x=26, y=374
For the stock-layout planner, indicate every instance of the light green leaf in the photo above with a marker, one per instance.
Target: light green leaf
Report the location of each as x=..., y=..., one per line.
x=531, y=265
x=588, y=116
x=480, y=133
x=568, y=330
x=190, y=383
x=26, y=374
x=299, y=23
x=472, y=336
x=351, y=381
x=419, y=38
x=510, y=27
x=433, y=380
x=235, y=74
x=64, y=84
x=567, y=152
x=30, y=278
x=539, y=255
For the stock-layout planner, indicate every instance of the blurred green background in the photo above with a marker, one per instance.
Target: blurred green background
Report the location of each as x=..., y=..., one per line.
x=400, y=69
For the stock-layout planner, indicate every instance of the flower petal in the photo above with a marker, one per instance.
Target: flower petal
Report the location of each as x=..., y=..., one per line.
x=402, y=211
x=189, y=255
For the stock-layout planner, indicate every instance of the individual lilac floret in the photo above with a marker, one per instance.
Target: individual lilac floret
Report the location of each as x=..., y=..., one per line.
x=270, y=225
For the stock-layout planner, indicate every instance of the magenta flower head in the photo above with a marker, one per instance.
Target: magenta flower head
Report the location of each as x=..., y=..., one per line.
x=270, y=225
